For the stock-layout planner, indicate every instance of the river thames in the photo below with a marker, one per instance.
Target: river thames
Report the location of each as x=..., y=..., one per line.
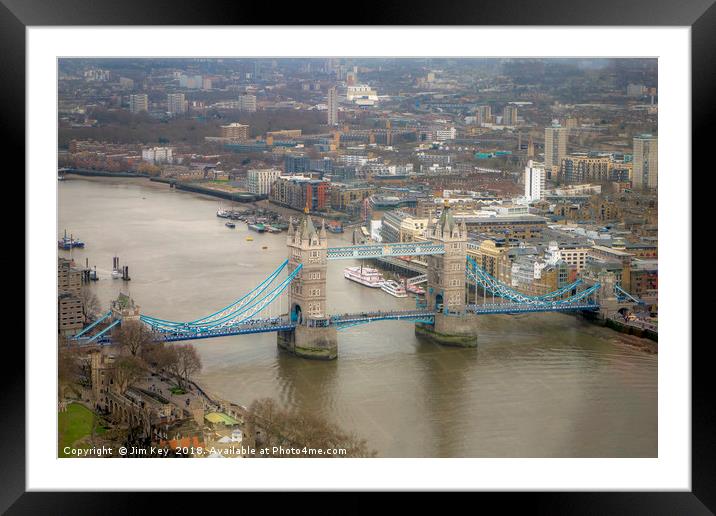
x=538, y=385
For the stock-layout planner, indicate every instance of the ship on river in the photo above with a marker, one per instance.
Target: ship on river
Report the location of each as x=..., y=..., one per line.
x=67, y=243
x=364, y=275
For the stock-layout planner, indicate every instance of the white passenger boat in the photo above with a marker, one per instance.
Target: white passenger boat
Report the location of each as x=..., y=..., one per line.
x=364, y=275
x=394, y=288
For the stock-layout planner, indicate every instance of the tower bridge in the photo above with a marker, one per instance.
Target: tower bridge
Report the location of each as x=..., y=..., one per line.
x=307, y=328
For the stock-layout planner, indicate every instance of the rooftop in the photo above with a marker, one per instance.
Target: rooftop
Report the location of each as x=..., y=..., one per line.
x=611, y=250
x=219, y=417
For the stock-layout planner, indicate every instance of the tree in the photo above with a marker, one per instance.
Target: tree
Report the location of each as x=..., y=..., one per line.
x=273, y=426
x=127, y=370
x=159, y=355
x=69, y=364
x=184, y=363
x=133, y=336
x=90, y=305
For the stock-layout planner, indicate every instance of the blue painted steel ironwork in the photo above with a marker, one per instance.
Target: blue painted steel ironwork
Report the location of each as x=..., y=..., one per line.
x=488, y=282
x=343, y=321
x=221, y=315
x=88, y=328
x=247, y=327
x=99, y=337
x=623, y=295
x=243, y=315
x=512, y=308
x=383, y=250
x=227, y=323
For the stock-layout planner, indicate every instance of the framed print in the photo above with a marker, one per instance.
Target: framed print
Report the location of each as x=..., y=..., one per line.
x=427, y=250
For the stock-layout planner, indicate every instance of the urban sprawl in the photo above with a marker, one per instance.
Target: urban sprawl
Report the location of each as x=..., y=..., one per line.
x=549, y=167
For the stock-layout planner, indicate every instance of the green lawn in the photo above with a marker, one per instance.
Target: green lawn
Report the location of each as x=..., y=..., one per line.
x=73, y=424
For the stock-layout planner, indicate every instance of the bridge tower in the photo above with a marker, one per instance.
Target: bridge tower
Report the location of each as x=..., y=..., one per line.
x=124, y=308
x=446, y=285
x=606, y=295
x=313, y=337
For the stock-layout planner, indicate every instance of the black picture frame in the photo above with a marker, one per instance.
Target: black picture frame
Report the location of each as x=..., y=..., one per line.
x=700, y=15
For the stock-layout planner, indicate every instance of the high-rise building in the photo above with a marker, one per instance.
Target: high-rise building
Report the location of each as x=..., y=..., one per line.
x=70, y=316
x=509, y=115
x=235, y=131
x=176, y=104
x=138, y=103
x=483, y=115
x=635, y=90
x=247, y=103
x=555, y=148
x=580, y=168
x=192, y=82
x=445, y=134
x=158, y=155
x=332, y=106
x=534, y=181
x=260, y=181
x=645, y=161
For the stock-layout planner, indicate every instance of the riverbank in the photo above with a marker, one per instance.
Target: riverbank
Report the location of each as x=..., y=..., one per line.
x=146, y=180
x=237, y=197
x=643, y=339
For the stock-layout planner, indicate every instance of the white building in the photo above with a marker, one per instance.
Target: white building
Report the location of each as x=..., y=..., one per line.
x=535, y=177
x=354, y=160
x=442, y=135
x=362, y=95
x=260, y=180
x=247, y=103
x=158, y=155
x=138, y=103
x=176, y=104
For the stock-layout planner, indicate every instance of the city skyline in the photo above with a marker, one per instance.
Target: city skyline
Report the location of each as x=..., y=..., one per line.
x=471, y=203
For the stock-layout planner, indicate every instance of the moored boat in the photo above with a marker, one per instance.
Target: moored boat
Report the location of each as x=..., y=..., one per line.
x=364, y=275
x=67, y=243
x=393, y=288
x=415, y=289
x=334, y=227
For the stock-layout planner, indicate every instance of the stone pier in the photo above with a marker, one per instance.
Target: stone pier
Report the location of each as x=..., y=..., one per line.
x=450, y=330
x=314, y=343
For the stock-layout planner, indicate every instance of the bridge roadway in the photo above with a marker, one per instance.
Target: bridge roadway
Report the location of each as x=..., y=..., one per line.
x=347, y=320
x=514, y=308
x=284, y=323
x=344, y=321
